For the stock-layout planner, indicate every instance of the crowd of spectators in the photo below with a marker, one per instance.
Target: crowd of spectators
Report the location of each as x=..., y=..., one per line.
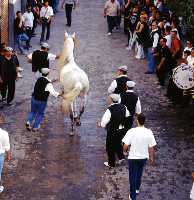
x=155, y=34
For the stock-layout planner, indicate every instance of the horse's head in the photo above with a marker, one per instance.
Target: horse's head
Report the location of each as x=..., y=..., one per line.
x=68, y=48
x=69, y=40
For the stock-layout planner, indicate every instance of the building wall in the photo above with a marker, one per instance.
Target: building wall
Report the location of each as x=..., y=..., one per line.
x=4, y=25
x=8, y=8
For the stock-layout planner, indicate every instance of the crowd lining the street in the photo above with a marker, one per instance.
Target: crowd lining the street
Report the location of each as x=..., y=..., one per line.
x=154, y=32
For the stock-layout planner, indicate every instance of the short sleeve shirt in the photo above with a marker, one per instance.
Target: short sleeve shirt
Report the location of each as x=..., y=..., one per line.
x=139, y=139
x=112, y=8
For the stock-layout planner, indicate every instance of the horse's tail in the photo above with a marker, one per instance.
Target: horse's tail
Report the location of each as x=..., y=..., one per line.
x=70, y=97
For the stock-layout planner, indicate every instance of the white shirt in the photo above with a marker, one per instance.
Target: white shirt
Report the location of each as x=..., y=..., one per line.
x=140, y=139
x=28, y=19
x=49, y=88
x=112, y=8
x=107, y=116
x=50, y=57
x=46, y=12
x=190, y=61
x=4, y=141
x=169, y=40
x=138, y=104
x=156, y=39
x=113, y=85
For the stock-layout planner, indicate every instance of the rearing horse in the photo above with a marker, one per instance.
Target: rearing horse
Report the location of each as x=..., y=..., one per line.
x=74, y=80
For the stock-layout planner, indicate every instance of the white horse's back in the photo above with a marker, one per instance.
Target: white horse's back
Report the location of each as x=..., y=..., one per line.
x=72, y=77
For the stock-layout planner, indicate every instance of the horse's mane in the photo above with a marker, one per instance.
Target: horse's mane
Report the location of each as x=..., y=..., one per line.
x=67, y=51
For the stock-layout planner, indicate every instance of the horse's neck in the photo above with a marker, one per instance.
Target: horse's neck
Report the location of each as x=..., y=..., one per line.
x=69, y=59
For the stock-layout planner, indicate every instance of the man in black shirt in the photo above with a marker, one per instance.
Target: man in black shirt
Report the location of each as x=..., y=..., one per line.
x=8, y=75
x=165, y=63
x=42, y=89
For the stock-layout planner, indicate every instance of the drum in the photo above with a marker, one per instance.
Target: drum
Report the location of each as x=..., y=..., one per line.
x=183, y=77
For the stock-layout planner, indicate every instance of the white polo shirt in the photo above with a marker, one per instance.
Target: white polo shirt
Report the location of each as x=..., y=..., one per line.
x=46, y=12
x=139, y=139
x=4, y=141
x=28, y=19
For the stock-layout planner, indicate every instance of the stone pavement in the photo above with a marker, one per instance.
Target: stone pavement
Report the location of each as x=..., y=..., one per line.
x=50, y=165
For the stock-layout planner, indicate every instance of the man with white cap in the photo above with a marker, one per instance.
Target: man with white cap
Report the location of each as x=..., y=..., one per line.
x=40, y=59
x=113, y=120
x=43, y=87
x=131, y=100
x=119, y=84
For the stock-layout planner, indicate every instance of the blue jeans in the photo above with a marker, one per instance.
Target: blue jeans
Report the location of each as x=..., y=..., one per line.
x=37, y=112
x=135, y=174
x=19, y=39
x=151, y=60
x=1, y=163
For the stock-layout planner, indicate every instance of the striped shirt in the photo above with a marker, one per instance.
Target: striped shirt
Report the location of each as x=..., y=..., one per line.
x=70, y=1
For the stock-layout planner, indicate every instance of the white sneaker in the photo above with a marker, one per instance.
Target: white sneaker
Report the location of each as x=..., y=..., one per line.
x=137, y=191
x=1, y=189
x=128, y=48
x=107, y=165
x=109, y=33
x=138, y=57
x=20, y=69
x=19, y=75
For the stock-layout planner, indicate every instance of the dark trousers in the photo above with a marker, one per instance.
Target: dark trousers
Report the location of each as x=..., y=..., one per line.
x=128, y=123
x=135, y=173
x=45, y=27
x=114, y=147
x=112, y=22
x=162, y=75
x=68, y=11
x=29, y=34
x=8, y=88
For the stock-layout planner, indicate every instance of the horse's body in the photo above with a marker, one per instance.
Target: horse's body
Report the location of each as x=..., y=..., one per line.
x=74, y=80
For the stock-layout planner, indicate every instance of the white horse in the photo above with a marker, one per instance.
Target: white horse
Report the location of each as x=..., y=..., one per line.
x=75, y=82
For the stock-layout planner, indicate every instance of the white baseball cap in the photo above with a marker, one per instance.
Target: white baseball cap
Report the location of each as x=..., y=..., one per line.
x=131, y=84
x=45, y=70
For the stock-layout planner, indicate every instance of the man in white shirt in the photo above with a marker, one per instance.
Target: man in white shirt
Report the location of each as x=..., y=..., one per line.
x=131, y=100
x=28, y=20
x=118, y=86
x=46, y=14
x=111, y=11
x=43, y=87
x=113, y=120
x=4, y=151
x=141, y=141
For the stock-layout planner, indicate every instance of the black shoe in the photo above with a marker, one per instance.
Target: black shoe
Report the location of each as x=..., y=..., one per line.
x=149, y=72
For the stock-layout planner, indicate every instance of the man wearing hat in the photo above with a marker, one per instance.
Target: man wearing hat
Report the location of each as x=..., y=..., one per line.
x=113, y=120
x=8, y=75
x=119, y=84
x=131, y=100
x=43, y=87
x=40, y=59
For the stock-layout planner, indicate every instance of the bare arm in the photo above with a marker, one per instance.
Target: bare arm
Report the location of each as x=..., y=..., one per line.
x=151, y=155
x=125, y=148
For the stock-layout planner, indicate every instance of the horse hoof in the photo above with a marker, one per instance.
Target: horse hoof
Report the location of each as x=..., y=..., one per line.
x=71, y=133
x=78, y=123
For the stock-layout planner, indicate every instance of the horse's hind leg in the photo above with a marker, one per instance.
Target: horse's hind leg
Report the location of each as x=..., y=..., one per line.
x=72, y=120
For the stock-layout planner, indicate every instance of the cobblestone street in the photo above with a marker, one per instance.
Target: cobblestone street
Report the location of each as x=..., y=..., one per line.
x=51, y=165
